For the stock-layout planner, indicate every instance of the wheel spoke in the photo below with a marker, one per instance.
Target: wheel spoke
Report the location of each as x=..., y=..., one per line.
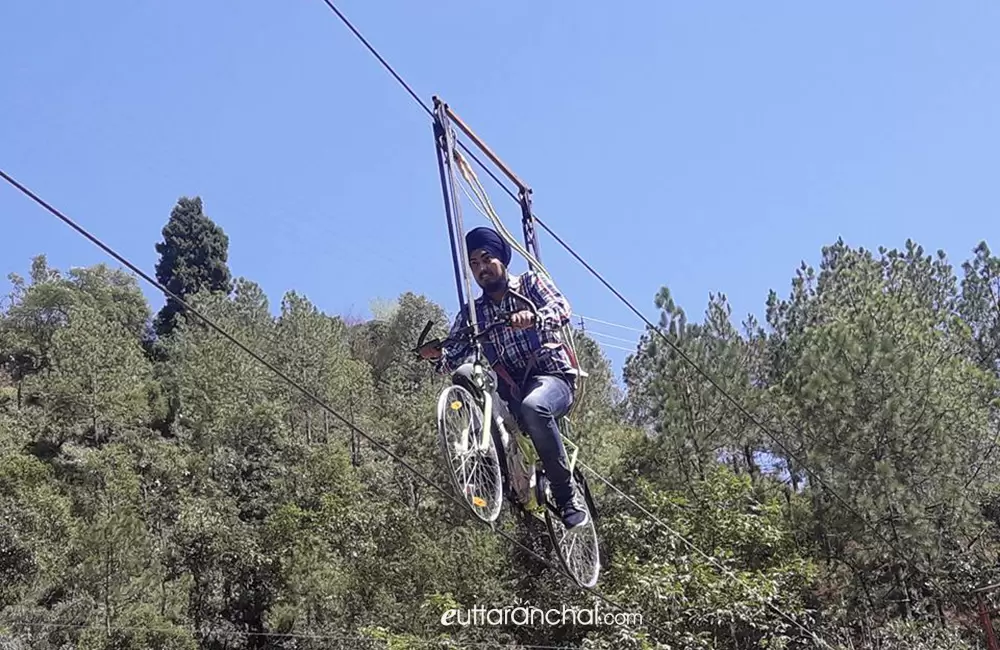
x=474, y=471
x=572, y=544
x=576, y=548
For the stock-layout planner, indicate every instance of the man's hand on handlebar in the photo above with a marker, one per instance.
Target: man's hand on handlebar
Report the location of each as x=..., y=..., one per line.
x=522, y=320
x=430, y=352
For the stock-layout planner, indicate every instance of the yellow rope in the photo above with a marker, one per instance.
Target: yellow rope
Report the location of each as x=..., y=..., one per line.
x=486, y=207
x=481, y=201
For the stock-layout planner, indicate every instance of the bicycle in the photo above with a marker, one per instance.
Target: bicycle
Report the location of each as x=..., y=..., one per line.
x=471, y=432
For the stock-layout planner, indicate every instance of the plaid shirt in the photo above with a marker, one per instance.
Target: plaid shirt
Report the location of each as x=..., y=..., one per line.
x=515, y=349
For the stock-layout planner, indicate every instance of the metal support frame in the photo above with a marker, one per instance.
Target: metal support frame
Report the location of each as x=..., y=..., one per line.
x=446, y=139
x=441, y=140
x=984, y=615
x=444, y=118
x=528, y=224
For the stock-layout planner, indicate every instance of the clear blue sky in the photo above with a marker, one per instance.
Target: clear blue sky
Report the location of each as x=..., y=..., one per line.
x=704, y=146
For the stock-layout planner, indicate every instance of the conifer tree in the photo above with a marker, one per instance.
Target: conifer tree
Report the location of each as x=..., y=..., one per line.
x=193, y=257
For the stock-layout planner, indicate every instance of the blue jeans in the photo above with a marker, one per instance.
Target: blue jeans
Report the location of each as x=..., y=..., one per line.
x=546, y=399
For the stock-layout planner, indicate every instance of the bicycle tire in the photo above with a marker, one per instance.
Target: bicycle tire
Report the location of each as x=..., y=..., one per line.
x=484, y=501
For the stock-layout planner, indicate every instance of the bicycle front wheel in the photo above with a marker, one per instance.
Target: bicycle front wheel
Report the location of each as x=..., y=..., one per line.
x=474, y=466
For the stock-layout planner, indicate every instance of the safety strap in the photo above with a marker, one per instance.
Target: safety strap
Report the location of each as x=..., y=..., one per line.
x=491, y=354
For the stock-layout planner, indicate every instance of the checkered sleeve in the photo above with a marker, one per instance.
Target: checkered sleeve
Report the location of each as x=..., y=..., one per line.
x=453, y=355
x=554, y=311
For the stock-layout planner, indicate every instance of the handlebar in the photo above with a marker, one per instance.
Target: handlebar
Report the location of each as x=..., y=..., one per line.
x=463, y=333
x=466, y=333
x=423, y=334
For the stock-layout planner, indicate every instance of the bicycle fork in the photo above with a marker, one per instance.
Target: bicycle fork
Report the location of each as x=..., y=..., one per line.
x=462, y=444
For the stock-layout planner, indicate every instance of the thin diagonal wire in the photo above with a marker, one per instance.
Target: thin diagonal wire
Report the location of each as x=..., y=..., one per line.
x=406, y=86
x=286, y=635
x=742, y=409
x=615, y=347
x=718, y=565
x=65, y=219
x=378, y=56
x=605, y=322
x=610, y=336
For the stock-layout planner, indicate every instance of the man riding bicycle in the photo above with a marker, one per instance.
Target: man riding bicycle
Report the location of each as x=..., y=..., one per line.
x=538, y=380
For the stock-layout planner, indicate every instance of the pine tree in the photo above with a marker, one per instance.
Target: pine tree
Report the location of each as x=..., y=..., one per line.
x=193, y=257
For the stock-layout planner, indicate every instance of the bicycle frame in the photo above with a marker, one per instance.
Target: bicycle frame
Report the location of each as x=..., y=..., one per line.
x=484, y=395
x=479, y=378
x=532, y=458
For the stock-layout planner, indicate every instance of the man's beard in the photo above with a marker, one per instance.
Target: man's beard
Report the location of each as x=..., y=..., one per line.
x=495, y=285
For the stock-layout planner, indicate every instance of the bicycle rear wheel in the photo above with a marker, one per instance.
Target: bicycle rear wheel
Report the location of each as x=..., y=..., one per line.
x=475, y=471
x=577, y=548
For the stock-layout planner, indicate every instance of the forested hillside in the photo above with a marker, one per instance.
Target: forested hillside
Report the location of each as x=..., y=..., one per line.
x=161, y=489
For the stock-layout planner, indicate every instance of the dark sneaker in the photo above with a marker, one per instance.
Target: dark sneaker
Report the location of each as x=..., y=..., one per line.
x=574, y=513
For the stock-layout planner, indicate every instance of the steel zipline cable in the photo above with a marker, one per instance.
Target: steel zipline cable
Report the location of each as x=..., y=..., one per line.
x=656, y=330
x=357, y=430
x=277, y=371
x=354, y=640
x=402, y=82
x=489, y=171
x=350, y=425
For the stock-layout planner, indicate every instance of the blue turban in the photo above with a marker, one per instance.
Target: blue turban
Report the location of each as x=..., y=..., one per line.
x=490, y=241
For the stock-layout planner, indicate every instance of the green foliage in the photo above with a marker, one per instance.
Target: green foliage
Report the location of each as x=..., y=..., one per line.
x=875, y=382
x=35, y=520
x=141, y=629
x=977, y=306
x=915, y=635
x=724, y=594
x=696, y=425
x=596, y=420
x=193, y=499
x=891, y=415
x=97, y=377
